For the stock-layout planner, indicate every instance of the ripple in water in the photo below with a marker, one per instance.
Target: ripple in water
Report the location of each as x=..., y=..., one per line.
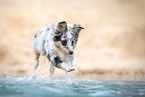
x=42, y=86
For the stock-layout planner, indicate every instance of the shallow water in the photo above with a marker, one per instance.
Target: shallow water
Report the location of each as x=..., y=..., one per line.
x=42, y=86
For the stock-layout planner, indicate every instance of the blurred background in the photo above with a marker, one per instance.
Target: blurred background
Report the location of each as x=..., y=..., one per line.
x=112, y=45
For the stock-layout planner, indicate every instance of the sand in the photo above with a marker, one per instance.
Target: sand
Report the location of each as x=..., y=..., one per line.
x=111, y=45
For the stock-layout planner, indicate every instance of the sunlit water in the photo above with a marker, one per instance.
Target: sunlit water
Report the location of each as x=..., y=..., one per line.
x=46, y=87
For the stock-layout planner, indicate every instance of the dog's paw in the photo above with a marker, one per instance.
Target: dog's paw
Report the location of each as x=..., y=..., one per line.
x=71, y=69
x=67, y=67
x=33, y=76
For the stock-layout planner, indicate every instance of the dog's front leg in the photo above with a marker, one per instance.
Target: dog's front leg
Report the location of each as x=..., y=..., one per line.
x=66, y=67
x=57, y=62
x=68, y=77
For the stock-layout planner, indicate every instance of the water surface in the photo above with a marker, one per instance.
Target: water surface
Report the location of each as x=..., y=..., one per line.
x=42, y=86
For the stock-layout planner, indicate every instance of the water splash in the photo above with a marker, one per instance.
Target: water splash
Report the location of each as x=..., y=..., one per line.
x=43, y=86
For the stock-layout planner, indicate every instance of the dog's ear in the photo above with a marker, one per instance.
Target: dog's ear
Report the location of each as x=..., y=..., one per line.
x=77, y=28
x=61, y=26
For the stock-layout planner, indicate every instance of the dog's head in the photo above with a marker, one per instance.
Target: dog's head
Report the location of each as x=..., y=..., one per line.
x=69, y=35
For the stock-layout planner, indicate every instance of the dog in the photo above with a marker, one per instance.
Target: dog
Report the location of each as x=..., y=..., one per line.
x=56, y=43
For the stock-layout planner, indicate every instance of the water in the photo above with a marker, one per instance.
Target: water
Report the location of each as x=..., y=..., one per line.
x=42, y=86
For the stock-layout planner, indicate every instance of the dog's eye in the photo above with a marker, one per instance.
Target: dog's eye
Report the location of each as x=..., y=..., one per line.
x=64, y=42
x=72, y=43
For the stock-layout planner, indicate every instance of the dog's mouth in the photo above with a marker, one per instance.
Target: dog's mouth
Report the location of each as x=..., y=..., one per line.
x=70, y=55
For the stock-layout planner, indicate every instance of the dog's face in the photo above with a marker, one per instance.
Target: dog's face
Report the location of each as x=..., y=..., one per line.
x=69, y=35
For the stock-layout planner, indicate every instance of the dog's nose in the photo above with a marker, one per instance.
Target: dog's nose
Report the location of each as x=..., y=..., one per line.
x=70, y=52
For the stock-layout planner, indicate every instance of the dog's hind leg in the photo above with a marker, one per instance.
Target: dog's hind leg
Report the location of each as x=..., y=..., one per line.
x=52, y=69
x=35, y=65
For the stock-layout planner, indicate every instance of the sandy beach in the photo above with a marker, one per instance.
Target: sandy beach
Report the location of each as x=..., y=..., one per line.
x=112, y=45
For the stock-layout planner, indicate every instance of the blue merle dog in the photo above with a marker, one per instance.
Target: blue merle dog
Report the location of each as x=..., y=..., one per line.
x=57, y=43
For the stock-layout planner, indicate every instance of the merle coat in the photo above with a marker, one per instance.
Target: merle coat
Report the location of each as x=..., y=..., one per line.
x=57, y=43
